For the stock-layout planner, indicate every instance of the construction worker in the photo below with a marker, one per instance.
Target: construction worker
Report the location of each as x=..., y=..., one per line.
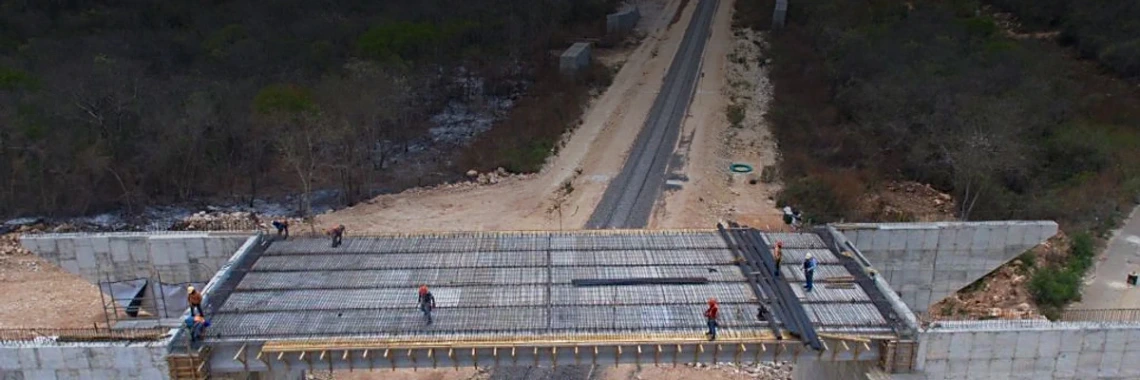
x=337, y=233
x=282, y=227
x=255, y=220
x=809, y=271
x=427, y=302
x=778, y=254
x=710, y=316
x=196, y=325
x=195, y=300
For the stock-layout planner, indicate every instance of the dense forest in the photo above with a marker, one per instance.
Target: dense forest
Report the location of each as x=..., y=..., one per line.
x=1105, y=30
x=1014, y=125
x=107, y=104
x=935, y=92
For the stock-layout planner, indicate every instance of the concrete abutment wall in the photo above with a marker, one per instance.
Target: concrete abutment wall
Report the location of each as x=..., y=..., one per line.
x=926, y=262
x=95, y=361
x=1028, y=350
x=177, y=257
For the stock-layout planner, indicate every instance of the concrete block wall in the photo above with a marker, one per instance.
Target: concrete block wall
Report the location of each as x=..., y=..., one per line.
x=1028, y=350
x=926, y=262
x=574, y=59
x=95, y=361
x=175, y=257
x=622, y=22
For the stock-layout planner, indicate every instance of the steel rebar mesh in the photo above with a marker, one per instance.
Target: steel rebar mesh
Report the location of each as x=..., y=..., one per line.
x=796, y=256
x=796, y=240
x=823, y=293
x=506, y=283
x=719, y=273
x=794, y=272
x=841, y=314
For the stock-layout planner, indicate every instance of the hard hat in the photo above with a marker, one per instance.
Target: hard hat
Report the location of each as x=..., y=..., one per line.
x=423, y=289
x=808, y=256
x=190, y=288
x=712, y=301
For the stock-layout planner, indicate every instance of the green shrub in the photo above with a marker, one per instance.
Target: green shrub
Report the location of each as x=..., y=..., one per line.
x=1055, y=287
x=736, y=115
x=1028, y=260
x=283, y=98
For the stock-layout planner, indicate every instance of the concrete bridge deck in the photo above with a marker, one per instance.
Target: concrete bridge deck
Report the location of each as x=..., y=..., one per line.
x=502, y=291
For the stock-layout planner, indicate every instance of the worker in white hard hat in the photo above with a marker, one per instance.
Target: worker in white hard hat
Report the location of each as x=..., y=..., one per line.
x=195, y=300
x=809, y=271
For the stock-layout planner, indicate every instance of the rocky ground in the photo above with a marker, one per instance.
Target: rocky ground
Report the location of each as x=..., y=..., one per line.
x=1004, y=293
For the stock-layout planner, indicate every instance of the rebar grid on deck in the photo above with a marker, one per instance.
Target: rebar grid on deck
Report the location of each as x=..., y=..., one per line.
x=514, y=283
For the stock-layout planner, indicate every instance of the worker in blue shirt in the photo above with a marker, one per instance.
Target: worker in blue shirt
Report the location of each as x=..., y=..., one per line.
x=809, y=271
x=196, y=325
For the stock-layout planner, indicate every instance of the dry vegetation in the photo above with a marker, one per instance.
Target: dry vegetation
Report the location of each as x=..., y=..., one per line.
x=971, y=120
x=139, y=103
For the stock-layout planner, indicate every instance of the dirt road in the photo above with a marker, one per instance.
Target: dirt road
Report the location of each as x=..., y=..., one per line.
x=629, y=200
x=572, y=182
x=702, y=191
x=1105, y=287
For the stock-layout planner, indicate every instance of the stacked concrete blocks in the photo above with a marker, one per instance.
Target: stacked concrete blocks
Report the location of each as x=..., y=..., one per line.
x=623, y=21
x=575, y=59
x=97, y=361
x=1067, y=350
x=925, y=262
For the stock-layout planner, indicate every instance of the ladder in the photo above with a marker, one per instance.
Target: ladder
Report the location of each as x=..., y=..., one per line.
x=189, y=366
x=897, y=356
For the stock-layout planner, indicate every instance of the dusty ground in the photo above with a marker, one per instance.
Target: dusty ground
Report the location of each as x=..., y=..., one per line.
x=592, y=155
x=734, y=73
x=37, y=293
x=908, y=201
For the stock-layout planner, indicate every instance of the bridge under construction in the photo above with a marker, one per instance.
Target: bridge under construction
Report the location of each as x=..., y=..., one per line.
x=516, y=298
x=284, y=308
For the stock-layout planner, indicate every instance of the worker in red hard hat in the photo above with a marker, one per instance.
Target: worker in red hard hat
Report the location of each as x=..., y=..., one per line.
x=427, y=302
x=778, y=254
x=337, y=234
x=710, y=316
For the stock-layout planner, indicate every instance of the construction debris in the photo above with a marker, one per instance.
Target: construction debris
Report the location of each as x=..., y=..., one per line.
x=762, y=370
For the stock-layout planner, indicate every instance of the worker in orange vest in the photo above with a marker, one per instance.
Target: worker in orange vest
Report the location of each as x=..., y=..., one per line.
x=195, y=300
x=710, y=316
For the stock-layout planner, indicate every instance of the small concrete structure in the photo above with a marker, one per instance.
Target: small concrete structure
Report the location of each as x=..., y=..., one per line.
x=575, y=59
x=623, y=21
x=176, y=257
x=926, y=262
x=96, y=361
